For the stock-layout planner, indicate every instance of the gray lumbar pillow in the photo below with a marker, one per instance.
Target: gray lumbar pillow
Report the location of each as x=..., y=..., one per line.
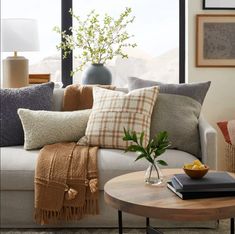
x=197, y=91
x=36, y=97
x=178, y=115
x=176, y=111
x=49, y=127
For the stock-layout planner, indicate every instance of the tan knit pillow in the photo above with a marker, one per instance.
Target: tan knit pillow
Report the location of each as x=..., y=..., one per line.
x=113, y=111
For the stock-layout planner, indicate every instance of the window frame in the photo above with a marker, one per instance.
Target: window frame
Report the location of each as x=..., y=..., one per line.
x=67, y=22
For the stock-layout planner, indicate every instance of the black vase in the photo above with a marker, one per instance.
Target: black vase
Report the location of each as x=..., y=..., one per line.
x=97, y=73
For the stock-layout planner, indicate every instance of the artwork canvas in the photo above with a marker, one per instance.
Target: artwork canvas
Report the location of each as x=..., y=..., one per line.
x=215, y=41
x=218, y=4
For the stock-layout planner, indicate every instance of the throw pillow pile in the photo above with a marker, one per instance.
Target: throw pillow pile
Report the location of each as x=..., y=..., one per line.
x=176, y=109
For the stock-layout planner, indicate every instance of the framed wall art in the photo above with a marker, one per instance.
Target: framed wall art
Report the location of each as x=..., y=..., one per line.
x=219, y=4
x=215, y=41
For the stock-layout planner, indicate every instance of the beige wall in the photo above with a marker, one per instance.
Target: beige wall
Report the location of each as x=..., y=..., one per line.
x=220, y=101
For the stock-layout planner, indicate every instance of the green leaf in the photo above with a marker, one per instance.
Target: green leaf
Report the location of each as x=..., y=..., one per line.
x=134, y=136
x=141, y=138
x=124, y=129
x=164, y=145
x=149, y=158
x=140, y=156
x=154, y=148
x=162, y=162
x=159, y=151
x=161, y=136
x=135, y=148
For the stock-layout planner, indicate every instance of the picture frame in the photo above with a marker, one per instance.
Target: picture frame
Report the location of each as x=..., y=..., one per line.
x=215, y=40
x=218, y=4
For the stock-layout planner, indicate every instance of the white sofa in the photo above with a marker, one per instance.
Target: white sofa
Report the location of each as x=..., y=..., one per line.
x=17, y=177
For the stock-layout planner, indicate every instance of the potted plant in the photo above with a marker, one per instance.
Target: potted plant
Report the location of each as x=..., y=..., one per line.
x=97, y=41
x=156, y=147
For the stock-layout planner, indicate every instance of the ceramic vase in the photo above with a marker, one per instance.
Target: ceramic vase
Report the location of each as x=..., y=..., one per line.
x=97, y=74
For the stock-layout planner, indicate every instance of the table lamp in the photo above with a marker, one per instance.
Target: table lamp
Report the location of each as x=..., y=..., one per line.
x=18, y=35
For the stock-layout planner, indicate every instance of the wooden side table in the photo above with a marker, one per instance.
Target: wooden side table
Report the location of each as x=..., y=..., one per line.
x=39, y=78
x=128, y=193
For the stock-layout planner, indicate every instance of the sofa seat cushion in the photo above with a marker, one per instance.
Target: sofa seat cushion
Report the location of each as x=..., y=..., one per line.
x=17, y=165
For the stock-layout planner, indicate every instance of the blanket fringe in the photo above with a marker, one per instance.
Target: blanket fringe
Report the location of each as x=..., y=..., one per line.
x=46, y=216
x=43, y=217
x=92, y=206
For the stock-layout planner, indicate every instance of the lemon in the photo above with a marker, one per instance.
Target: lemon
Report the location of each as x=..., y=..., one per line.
x=202, y=166
x=197, y=162
x=188, y=166
x=196, y=167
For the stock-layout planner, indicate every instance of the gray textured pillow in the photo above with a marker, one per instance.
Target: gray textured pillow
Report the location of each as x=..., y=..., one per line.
x=176, y=111
x=178, y=115
x=196, y=91
x=36, y=97
x=49, y=127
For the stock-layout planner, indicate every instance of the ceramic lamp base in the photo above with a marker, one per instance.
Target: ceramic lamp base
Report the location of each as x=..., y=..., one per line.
x=15, y=72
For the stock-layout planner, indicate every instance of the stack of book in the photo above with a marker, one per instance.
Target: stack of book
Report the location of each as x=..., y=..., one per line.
x=214, y=184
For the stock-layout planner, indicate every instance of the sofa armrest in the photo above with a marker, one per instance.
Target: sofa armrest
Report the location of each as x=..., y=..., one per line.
x=208, y=139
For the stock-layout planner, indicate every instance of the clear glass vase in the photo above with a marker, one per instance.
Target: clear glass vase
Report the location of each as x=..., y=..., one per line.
x=153, y=175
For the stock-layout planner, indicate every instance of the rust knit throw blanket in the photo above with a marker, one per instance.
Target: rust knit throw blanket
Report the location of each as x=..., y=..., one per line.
x=80, y=97
x=66, y=183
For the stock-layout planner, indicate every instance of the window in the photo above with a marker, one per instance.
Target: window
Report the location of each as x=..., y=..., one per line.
x=156, y=30
x=48, y=14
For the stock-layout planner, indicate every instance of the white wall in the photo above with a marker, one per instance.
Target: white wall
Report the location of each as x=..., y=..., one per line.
x=220, y=100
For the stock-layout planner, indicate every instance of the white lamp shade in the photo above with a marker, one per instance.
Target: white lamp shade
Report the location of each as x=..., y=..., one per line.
x=19, y=35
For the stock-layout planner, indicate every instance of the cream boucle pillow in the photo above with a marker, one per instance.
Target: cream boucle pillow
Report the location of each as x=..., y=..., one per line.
x=49, y=127
x=113, y=111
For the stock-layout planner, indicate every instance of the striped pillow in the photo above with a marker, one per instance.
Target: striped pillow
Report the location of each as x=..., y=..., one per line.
x=228, y=130
x=113, y=111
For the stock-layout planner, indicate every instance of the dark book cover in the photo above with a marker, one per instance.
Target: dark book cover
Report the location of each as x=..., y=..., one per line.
x=211, y=180
x=178, y=188
x=198, y=195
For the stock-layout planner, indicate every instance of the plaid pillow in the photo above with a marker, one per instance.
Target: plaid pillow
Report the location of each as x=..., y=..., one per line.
x=228, y=130
x=113, y=111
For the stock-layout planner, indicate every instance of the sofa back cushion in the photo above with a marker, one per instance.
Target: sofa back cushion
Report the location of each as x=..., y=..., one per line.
x=196, y=91
x=36, y=97
x=57, y=100
x=58, y=95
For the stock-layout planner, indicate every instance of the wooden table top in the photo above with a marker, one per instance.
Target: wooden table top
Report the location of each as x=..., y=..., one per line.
x=130, y=194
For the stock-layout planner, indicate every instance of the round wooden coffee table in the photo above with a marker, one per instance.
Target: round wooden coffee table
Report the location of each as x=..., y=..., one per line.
x=128, y=193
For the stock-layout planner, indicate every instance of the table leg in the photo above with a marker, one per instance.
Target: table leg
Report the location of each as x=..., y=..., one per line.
x=120, y=221
x=147, y=224
x=151, y=230
x=232, y=225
